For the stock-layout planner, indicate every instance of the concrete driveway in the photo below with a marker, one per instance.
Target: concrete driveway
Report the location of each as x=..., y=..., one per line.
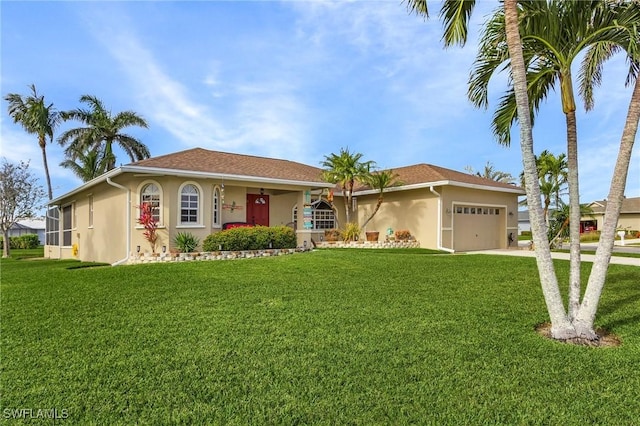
x=523, y=251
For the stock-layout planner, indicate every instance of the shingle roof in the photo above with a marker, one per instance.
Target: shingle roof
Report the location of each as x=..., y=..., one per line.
x=427, y=173
x=207, y=161
x=629, y=205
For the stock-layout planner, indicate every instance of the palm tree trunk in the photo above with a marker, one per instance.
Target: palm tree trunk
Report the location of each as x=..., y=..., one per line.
x=574, y=215
x=375, y=210
x=587, y=312
x=561, y=328
x=46, y=169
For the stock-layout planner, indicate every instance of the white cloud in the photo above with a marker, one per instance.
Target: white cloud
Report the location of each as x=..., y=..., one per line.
x=251, y=117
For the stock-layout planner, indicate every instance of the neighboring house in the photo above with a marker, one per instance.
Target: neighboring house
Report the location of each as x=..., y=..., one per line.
x=202, y=192
x=29, y=226
x=523, y=222
x=628, y=220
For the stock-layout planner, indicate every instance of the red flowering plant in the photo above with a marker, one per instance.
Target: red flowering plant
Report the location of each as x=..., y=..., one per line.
x=150, y=224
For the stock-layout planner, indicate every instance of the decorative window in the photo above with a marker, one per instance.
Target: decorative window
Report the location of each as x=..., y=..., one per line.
x=53, y=227
x=217, y=207
x=458, y=210
x=323, y=216
x=67, y=225
x=189, y=204
x=150, y=194
x=90, y=211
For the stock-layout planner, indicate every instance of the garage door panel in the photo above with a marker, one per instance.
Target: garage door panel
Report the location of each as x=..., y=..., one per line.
x=477, y=228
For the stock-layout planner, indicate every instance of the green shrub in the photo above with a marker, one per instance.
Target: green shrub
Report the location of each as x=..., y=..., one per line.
x=186, y=242
x=254, y=238
x=27, y=241
x=588, y=237
x=526, y=233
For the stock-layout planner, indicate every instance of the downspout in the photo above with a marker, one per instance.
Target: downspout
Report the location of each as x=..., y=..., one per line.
x=439, y=235
x=128, y=222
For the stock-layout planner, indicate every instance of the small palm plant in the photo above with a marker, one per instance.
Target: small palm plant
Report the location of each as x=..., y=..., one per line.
x=186, y=242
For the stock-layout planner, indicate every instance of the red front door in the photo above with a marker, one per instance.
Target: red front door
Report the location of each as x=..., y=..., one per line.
x=258, y=209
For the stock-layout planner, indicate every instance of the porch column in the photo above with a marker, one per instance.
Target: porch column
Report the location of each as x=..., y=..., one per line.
x=303, y=231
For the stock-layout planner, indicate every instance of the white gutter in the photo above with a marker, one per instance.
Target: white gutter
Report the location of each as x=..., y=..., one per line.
x=127, y=223
x=430, y=185
x=223, y=176
x=439, y=235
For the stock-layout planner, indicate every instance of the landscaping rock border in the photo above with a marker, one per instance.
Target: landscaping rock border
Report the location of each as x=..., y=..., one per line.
x=369, y=244
x=135, y=258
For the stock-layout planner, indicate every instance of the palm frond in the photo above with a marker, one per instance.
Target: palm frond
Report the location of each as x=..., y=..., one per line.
x=455, y=15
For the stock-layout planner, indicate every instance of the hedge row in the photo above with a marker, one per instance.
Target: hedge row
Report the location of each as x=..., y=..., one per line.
x=27, y=241
x=254, y=238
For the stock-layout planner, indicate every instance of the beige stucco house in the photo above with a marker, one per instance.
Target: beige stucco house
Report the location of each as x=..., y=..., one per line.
x=202, y=192
x=445, y=209
x=629, y=219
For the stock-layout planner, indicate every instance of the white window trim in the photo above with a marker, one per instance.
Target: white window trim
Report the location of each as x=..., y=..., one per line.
x=199, y=223
x=216, y=212
x=90, y=201
x=161, y=202
x=72, y=205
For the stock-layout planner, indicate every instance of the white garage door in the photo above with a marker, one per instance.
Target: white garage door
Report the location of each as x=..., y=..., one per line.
x=477, y=228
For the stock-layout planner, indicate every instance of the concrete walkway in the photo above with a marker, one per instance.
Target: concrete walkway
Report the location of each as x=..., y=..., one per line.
x=618, y=260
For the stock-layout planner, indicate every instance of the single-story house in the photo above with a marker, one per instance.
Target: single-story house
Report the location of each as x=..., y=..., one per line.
x=445, y=209
x=524, y=223
x=629, y=219
x=202, y=192
x=35, y=226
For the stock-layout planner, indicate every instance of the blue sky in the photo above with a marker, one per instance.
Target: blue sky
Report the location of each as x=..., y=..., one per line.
x=294, y=80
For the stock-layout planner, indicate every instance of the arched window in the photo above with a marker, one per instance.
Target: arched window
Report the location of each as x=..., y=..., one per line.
x=150, y=194
x=217, y=206
x=189, y=205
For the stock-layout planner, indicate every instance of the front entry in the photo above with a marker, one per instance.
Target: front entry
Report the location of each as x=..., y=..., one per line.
x=258, y=209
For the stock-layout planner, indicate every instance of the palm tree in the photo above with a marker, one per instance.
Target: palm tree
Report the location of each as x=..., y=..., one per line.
x=36, y=118
x=552, y=172
x=456, y=14
x=380, y=181
x=561, y=219
x=554, y=34
x=87, y=164
x=102, y=131
x=490, y=172
x=346, y=169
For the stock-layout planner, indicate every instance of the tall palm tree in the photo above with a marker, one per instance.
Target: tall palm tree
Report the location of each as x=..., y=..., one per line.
x=380, y=181
x=87, y=164
x=586, y=315
x=37, y=118
x=103, y=130
x=554, y=34
x=346, y=169
x=455, y=14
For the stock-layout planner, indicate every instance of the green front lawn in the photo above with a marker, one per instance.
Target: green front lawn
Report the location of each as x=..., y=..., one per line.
x=329, y=337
